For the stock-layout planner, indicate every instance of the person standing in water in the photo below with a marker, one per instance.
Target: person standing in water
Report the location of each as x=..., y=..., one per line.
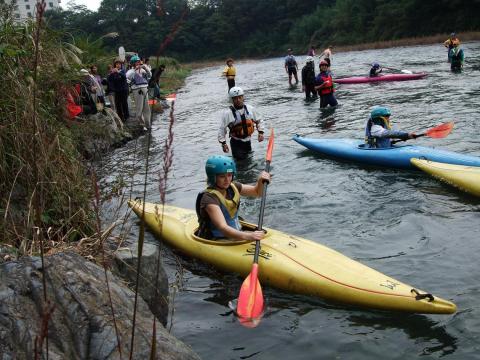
x=450, y=43
x=291, y=67
x=240, y=120
x=308, y=78
x=327, y=55
x=229, y=72
x=324, y=86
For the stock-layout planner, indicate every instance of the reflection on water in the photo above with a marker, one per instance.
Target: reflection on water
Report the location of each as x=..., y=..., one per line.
x=402, y=223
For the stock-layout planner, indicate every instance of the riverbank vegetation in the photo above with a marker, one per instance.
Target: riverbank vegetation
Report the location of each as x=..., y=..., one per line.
x=262, y=28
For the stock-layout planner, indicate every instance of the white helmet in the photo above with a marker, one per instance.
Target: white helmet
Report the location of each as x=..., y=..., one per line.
x=235, y=91
x=309, y=59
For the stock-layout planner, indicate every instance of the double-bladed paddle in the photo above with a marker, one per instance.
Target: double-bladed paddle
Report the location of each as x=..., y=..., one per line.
x=250, y=300
x=437, y=132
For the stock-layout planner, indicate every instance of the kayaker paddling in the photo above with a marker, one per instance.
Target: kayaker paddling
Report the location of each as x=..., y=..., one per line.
x=379, y=132
x=217, y=206
x=375, y=69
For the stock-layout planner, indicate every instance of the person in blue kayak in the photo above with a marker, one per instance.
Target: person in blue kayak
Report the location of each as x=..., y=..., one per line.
x=240, y=120
x=375, y=69
x=291, y=67
x=324, y=86
x=217, y=206
x=379, y=132
x=456, y=58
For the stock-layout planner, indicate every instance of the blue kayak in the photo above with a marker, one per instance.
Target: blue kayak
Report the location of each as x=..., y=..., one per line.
x=397, y=156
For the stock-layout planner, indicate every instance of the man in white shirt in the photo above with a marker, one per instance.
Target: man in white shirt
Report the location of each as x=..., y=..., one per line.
x=240, y=120
x=138, y=77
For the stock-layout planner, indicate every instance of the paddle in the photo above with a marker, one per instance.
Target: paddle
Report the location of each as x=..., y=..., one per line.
x=250, y=299
x=394, y=69
x=437, y=132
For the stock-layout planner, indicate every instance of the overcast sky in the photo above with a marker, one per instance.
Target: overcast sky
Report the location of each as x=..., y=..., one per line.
x=90, y=4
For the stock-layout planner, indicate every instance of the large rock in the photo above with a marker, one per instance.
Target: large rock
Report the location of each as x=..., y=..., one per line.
x=153, y=291
x=81, y=325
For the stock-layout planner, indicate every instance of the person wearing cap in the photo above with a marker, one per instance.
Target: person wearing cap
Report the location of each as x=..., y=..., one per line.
x=375, y=69
x=240, y=120
x=138, y=76
x=324, y=86
x=450, y=43
x=308, y=78
x=379, y=132
x=229, y=72
x=217, y=206
x=291, y=67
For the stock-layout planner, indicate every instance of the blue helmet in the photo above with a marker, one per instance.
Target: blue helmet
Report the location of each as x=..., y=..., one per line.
x=375, y=65
x=218, y=164
x=380, y=112
x=134, y=59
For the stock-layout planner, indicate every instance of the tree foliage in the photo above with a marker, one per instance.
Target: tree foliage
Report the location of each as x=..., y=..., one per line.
x=219, y=28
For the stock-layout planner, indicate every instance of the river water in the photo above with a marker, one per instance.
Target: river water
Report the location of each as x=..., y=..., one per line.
x=402, y=223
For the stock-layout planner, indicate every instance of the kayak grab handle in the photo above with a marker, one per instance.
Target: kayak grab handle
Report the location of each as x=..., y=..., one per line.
x=419, y=296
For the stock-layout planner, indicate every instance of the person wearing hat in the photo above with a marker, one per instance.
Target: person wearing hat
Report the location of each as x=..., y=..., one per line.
x=138, y=76
x=240, y=120
x=324, y=86
x=379, y=132
x=291, y=67
x=450, y=43
x=217, y=206
x=308, y=78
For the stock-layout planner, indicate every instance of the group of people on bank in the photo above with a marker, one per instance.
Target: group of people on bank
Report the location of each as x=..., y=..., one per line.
x=134, y=77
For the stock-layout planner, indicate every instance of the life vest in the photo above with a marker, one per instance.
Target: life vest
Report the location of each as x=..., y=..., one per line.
x=139, y=79
x=243, y=126
x=384, y=122
x=229, y=209
x=229, y=72
x=327, y=79
x=309, y=75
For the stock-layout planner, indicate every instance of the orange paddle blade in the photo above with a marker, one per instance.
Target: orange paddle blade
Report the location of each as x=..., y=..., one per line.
x=440, y=131
x=250, y=299
x=270, y=146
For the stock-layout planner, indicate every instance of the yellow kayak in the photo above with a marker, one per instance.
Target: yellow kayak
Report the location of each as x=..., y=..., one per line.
x=466, y=178
x=292, y=264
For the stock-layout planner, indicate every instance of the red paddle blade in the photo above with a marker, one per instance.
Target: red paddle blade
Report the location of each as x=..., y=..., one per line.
x=270, y=146
x=440, y=131
x=250, y=299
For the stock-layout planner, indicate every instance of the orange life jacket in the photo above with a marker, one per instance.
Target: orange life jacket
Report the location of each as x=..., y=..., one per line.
x=327, y=79
x=243, y=126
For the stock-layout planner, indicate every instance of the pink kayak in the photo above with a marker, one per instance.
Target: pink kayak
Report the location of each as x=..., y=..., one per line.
x=381, y=77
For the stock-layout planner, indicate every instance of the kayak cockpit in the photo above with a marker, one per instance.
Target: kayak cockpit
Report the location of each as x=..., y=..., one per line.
x=226, y=242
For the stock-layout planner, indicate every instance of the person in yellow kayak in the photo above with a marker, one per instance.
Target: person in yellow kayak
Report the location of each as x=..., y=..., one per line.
x=229, y=72
x=379, y=132
x=450, y=43
x=217, y=206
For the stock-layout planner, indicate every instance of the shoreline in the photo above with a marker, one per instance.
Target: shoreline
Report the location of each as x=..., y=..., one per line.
x=386, y=44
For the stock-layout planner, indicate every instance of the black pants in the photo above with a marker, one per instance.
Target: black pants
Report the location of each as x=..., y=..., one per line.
x=121, y=104
x=240, y=149
x=231, y=83
x=310, y=91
